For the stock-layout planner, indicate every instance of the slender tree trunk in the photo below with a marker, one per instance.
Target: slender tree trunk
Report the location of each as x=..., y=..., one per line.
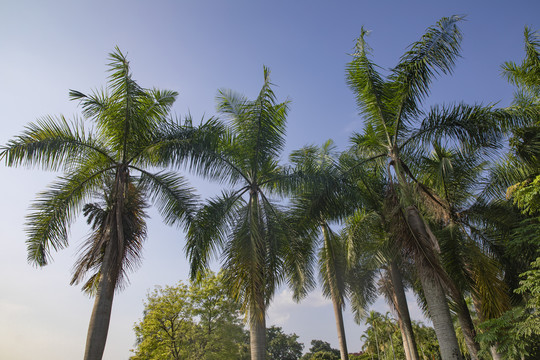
x=257, y=334
x=404, y=318
x=377, y=342
x=392, y=345
x=338, y=313
x=467, y=327
x=336, y=300
x=101, y=313
x=495, y=354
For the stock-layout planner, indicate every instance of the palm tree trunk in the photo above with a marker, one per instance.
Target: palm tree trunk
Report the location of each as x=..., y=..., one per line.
x=101, y=313
x=336, y=300
x=257, y=335
x=338, y=313
x=467, y=327
x=377, y=342
x=426, y=252
x=433, y=289
x=404, y=318
x=439, y=313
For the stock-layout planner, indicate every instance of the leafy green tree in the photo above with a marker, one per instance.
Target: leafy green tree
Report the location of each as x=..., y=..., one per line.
x=167, y=330
x=427, y=341
x=515, y=334
x=259, y=250
x=526, y=196
x=321, y=350
x=218, y=318
x=190, y=322
x=112, y=164
x=281, y=346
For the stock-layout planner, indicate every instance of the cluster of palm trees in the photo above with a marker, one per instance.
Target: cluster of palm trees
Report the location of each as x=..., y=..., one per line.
x=401, y=207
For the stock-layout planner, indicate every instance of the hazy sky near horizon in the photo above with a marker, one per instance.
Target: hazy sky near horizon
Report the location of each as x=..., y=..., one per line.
x=195, y=48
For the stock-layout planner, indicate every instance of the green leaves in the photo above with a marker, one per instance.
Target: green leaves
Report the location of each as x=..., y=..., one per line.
x=433, y=54
x=130, y=130
x=199, y=321
x=53, y=144
x=251, y=231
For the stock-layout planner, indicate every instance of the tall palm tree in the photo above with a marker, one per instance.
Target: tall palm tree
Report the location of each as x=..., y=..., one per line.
x=114, y=158
x=378, y=268
x=323, y=198
x=373, y=247
x=397, y=129
x=258, y=249
x=452, y=177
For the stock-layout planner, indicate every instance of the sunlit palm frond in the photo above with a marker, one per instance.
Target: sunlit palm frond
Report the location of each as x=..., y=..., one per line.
x=174, y=198
x=527, y=73
x=259, y=125
x=488, y=285
x=53, y=144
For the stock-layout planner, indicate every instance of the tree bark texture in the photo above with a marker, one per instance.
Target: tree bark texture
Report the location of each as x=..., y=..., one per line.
x=101, y=313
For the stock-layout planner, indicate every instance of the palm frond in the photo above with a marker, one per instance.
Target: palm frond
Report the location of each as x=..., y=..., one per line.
x=372, y=93
x=471, y=126
x=259, y=125
x=55, y=209
x=527, y=73
x=101, y=217
x=208, y=232
x=434, y=53
x=172, y=195
x=53, y=144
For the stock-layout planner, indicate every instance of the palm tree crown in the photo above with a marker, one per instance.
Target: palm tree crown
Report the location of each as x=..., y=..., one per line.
x=109, y=163
x=258, y=248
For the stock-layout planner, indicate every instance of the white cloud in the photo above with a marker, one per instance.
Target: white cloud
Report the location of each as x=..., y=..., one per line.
x=283, y=305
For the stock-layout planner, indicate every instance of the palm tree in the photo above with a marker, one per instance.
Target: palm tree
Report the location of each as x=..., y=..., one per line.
x=109, y=163
x=258, y=248
x=391, y=108
x=321, y=200
x=373, y=248
x=453, y=178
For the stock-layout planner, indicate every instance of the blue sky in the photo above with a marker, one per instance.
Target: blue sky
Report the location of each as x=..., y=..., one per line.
x=195, y=48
